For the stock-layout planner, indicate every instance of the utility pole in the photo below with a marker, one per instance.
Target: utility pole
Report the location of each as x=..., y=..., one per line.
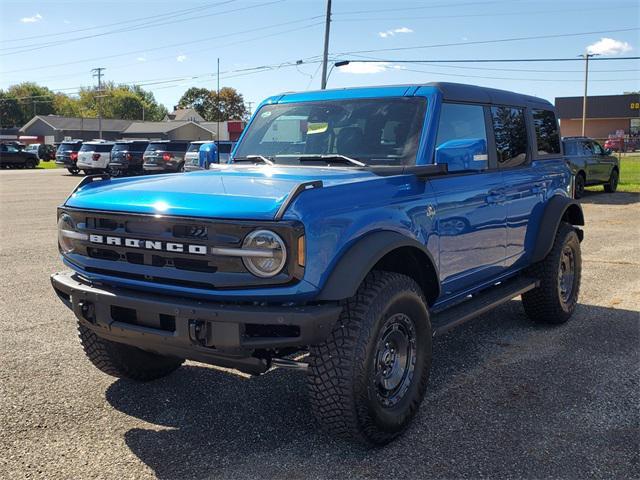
x=586, y=57
x=218, y=106
x=97, y=72
x=325, y=55
x=249, y=105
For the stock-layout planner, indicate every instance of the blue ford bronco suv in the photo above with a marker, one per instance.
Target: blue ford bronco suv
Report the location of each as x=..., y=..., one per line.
x=350, y=228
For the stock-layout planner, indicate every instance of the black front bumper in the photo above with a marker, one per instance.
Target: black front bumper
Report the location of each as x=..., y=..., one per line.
x=217, y=333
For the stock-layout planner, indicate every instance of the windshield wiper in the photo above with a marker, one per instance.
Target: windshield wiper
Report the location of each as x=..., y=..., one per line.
x=332, y=156
x=253, y=158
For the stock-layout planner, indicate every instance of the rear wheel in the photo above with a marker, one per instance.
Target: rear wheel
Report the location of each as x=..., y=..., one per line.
x=124, y=361
x=555, y=300
x=180, y=168
x=30, y=164
x=580, y=184
x=612, y=185
x=73, y=170
x=367, y=380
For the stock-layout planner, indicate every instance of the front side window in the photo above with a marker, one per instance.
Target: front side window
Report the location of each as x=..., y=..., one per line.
x=547, y=136
x=597, y=149
x=510, y=130
x=586, y=149
x=462, y=137
x=378, y=131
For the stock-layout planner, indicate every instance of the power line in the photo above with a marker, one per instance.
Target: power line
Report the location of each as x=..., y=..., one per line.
x=485, y=42
x=122, y=22
x=184, y=43
x=127, y=29
x=425, y=7
x=490, y=60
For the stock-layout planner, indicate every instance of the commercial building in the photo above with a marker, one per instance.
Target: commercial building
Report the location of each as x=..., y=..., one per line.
x=54, y=128
x=172, y=130
x=606, y=115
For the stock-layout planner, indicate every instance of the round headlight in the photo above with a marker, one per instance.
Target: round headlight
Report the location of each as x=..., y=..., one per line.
x=66, y=229
x=266, y=253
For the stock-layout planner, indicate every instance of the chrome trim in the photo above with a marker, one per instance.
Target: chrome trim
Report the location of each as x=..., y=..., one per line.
x=242, y=252
x=74, y=235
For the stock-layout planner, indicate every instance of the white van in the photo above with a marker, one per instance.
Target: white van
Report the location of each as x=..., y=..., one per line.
x=94, y=156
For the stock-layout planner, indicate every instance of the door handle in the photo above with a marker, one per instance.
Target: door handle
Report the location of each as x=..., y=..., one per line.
x=495, y=197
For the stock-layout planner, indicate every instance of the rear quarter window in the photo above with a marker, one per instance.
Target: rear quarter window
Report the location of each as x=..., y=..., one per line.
x=547, y=135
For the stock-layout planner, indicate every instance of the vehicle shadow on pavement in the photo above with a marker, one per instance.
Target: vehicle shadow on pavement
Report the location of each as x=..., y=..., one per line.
x=602, y=198
x=507, y=398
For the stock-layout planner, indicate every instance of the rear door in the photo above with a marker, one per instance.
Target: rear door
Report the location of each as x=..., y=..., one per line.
x=470, y=215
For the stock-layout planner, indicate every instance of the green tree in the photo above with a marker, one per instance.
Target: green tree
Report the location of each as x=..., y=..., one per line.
x=31, y=99
x=228, y=106
x=10, y=112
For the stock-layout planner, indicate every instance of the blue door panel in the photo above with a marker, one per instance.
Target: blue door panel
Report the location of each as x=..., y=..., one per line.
x=470, y=222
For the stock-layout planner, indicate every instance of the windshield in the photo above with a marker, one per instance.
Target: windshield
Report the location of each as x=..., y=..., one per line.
x=64, y=147
x=96, y=147
x=381, y=131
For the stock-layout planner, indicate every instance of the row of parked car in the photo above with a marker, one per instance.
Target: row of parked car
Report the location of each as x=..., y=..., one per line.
x=135, y=157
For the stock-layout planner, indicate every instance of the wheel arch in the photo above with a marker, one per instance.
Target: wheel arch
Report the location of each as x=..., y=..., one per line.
x=382, y=250
x=558, y=209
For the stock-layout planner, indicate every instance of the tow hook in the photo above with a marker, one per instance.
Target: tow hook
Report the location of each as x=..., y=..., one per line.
x=88, y=311
x=198, y=331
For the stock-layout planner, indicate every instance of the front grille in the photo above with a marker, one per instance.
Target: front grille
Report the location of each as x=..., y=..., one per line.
x=110, y=251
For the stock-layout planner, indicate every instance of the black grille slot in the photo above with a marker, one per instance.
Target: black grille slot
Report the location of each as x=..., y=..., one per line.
x=191, y=231
x=167, y=323
x=194, y=265
x=103, y=254
x=124, y=315
x=158, y=261
x=102, y=224
x=145, y=227
x=137, y=258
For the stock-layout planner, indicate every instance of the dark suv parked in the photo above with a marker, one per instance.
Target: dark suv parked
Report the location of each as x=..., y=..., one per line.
x=12, y=155
x=591, y=164
x=126, y=157
x=165, y=156
x=67, y=155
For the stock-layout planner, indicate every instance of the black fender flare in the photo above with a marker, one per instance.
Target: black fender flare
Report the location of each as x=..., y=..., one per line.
x=557, y=208
x=361, y=257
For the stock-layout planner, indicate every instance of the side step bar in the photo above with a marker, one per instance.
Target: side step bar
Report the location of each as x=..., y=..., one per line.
x=480, y=303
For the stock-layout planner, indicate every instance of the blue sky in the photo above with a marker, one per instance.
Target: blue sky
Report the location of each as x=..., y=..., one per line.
x=174, y=45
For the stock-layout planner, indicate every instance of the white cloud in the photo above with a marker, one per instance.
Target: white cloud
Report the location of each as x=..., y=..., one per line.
x=66, y=22
x=609, y=46
x=143, y=59
x=364, y=67
x=36, y=18
x=394, y=31
x=181, y=58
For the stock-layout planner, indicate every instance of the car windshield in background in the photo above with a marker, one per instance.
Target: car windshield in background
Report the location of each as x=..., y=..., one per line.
x=88, y=147
x=65, y=147
x=194, y=147
x=121, y=147
x=384, y=131
x=167, y=147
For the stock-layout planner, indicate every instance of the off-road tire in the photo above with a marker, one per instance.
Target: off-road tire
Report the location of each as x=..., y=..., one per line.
x=341, y=382
x=124, y=361
x=612, y=185
x=580, y=183
x=545, y=304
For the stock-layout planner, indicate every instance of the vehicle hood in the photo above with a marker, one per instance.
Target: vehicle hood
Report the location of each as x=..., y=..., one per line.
x=228, y=191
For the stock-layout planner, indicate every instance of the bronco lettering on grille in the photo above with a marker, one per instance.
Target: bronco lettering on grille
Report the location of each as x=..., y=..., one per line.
x=149, y=244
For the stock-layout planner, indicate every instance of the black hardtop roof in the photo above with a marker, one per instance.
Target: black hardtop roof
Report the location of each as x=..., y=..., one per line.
x=459, y=92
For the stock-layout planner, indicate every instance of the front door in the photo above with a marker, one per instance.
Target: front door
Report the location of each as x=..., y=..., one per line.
x=470, y=215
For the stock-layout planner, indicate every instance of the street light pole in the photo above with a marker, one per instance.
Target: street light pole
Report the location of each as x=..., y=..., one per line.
x=586, y=57
x=325, y=55
x=97, y=72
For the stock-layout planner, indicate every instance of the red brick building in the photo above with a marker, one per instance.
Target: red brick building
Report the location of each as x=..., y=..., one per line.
x=606, y=114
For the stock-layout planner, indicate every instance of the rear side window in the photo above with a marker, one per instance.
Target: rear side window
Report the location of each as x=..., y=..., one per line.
x=571, y=148
x=547, y=136
x=462, y=137
x=586, y=149
x=510, y=130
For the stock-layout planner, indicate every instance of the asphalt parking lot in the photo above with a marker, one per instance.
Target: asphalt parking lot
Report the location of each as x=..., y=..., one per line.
x=507, y=398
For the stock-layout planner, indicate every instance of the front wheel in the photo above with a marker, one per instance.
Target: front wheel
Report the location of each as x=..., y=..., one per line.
x=556, y=298
x=581, y=181
x=367, y=380
x=124, y=361
x=612, y=185
x=73, y=170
